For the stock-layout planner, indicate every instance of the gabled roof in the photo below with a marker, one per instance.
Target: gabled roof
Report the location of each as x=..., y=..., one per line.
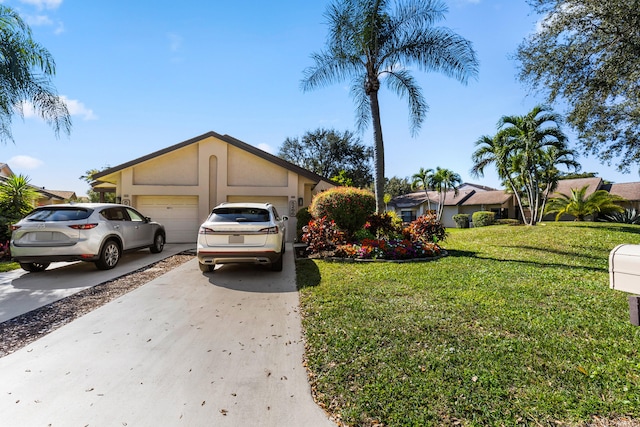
x=66, y=195
x=566, y=185
x=229, y=140
x=495, y=197
x=419, y=197
x=629, y=190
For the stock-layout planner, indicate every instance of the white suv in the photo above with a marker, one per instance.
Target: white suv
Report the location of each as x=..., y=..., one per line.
x=242, y=233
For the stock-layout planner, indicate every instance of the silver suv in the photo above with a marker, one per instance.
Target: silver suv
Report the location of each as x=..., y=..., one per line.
x=94, y=232
x=242, y=233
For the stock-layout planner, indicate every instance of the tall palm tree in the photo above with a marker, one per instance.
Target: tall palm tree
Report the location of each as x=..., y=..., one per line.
x=422, y=180
x=26, y=69
x=442, y=181
x=526, y=151
x=371, y=42
x=580, y=207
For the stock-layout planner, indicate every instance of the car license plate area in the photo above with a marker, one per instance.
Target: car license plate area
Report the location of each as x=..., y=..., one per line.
x=46, y=236
x=236, y=239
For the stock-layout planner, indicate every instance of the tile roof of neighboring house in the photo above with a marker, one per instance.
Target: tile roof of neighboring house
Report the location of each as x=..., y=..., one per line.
x=496, y=197
x=628, y=190
x=66, y=195
x=566, y=185
x=464, y=186
x=226, y=138
x=419, y=197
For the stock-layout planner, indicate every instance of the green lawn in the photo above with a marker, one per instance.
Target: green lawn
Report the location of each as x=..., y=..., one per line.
x=8, y=266
x=517, y=325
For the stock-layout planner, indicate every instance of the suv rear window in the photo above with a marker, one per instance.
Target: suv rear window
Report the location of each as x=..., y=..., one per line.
x=239, y=215
x=62, y=214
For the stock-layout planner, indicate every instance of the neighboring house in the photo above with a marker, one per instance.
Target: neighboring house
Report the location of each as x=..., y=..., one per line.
x=180, y=185
x=472, y=198
x=46, y=197
x=630, y=191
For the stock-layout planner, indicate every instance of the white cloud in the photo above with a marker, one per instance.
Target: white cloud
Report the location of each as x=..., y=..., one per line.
x=266, y=147
x=25, y=162
x=75, y=107
x=43, y=4
x=38, y=20
x=175, y=42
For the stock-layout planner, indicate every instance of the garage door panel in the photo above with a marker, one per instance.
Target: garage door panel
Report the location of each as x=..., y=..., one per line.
x=178, y=214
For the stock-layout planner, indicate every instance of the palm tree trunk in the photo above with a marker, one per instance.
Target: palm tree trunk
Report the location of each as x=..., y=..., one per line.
x=378, y=150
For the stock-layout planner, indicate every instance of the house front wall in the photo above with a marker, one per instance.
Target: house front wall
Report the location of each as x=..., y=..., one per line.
x=195, y=178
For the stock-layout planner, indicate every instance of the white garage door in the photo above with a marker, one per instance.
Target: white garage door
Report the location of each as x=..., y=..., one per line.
x=178, y=214
x=279, y=202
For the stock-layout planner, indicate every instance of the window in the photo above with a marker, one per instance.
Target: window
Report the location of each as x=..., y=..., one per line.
x=408, y=216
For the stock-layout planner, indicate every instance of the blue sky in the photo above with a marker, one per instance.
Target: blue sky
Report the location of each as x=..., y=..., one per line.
x=142, y=75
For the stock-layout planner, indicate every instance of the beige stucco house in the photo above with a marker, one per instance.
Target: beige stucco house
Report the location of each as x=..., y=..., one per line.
x=179, y=185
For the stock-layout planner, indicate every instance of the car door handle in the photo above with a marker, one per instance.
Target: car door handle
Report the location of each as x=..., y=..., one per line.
x=117, y=227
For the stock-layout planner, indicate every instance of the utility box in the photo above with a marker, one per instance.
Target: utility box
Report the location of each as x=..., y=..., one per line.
x=624, y=268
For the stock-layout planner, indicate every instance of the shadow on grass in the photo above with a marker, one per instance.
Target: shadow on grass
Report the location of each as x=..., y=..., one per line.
x=307, y=273
x=469, y=254
x=454, y=253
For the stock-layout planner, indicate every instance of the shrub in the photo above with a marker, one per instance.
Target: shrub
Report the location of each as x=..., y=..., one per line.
x=483, y=218
x=348, y=207
x=303, y=217
x=322, y=236
x=629, y=216
x=387, y=224
x=425, y=229
x=462, y=220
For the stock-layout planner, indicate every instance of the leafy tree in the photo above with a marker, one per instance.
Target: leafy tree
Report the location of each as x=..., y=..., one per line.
x=527, y=151
x=585, y=53
x=578, y=205
x=442, y=181
x=395, y=186
x=422, y=179
x=330, y=153
x=17, y=198
x=26, y=69
x=370, y=42
x=95, y=196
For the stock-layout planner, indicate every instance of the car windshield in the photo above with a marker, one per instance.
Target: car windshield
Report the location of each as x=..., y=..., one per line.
x=58, y=214
x=239, y=214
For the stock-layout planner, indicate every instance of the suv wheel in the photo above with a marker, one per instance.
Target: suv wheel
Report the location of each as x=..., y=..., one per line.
x=109, y=255
x=158, y=244
x=34, y=267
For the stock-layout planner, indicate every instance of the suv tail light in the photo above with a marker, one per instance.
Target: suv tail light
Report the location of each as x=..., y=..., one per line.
x=270, y=230
x=83, y=226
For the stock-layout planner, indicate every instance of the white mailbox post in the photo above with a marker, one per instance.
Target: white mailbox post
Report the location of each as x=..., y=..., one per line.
x=624, y=275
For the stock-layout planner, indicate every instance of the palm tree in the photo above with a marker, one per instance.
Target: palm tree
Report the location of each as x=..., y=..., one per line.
x=442, y=181
x=527, y=151
x=579, y=206
x=26, y=69
x=16, y=200
x=369, y=43
x=422, y=180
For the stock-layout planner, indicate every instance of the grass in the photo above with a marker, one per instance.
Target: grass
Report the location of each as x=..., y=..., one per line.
x=517, y=326
x=8, y=266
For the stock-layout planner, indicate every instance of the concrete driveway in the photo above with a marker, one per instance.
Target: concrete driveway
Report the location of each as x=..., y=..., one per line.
x=187, y=349
x=21, y=292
